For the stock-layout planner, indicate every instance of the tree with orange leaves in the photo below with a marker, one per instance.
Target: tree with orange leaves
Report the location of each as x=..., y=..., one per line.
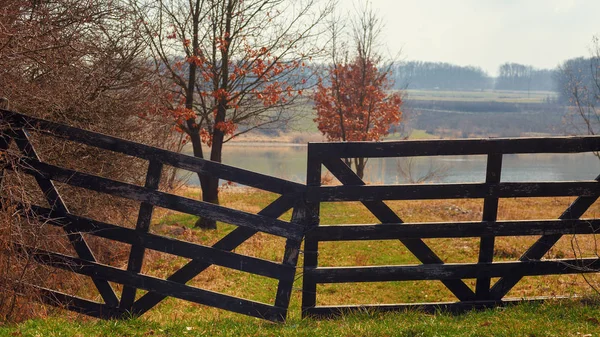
x=352, y=103
x=231, y=66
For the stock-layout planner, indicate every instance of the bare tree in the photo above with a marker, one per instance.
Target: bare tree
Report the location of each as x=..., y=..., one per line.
x=352, y=103
x=231, y=66
x=579, y=87
x=82, y=63
x=414, y=172
x=580, y=83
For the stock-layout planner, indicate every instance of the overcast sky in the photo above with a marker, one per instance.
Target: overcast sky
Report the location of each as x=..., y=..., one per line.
x=486, y=33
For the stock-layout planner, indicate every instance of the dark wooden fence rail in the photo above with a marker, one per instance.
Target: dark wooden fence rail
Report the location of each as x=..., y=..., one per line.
x=391, y=227
x=17, y=128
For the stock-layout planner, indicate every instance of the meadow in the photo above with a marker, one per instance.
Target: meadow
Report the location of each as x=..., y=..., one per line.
x=505, y=96
x=572, y=317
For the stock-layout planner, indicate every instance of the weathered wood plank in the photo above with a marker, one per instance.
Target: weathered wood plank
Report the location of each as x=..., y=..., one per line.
x=300, y=216
x=227, y=243
x=309, y=288
x=313, y=166
x=386, y=215
x=205, y=254
x=286, y=279
x=490, y=212
x=451, y=271
x=56, y=202
x=451, y=147
x=226, y=172
x=311, y=246
x=162, y=199
x=149, y=283
x=78, y=304
x=453, y=191
x=136, y=254
x=431, y=230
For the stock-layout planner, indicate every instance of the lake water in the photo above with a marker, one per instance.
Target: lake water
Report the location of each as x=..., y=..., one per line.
x=288, y=161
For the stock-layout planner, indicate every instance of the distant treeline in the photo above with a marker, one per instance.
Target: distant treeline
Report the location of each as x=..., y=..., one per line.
x=442, y=76
x=445, y=76
x=578, y=74
x=514, y=76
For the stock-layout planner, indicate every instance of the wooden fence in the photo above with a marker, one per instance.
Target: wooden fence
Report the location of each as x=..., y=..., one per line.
x=17, y=129
x=305, y=200
x=391, y=227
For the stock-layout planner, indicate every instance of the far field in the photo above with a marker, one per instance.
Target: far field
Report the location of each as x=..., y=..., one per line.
x=505, y=96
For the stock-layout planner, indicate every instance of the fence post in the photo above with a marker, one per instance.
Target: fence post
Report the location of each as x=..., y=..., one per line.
x=290, y=258
x=311, y=246
x=490, y=213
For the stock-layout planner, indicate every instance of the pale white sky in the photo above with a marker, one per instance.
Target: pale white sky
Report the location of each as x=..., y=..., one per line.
x=487, y=33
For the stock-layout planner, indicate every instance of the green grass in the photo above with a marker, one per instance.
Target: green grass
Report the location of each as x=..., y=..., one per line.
x=555, y=319
x=179, y=318
x=421, y=134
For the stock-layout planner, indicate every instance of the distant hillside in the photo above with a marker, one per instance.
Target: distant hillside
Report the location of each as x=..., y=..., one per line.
x=468, y=114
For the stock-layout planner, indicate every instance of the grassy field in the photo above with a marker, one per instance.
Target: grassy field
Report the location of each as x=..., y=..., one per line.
x=505, y=96
x=179, y=318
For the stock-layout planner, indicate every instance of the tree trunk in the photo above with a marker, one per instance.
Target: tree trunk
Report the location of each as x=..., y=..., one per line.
x=205, y=183
x=360, y=164
x=210, y=186
x=210, y=193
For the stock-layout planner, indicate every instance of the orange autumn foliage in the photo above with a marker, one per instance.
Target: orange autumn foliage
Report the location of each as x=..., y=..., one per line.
x=256, y=81
x=354, y=105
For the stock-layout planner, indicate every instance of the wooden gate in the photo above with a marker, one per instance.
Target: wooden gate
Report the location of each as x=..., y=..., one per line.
x=57, y=213
x=391, y=226
x=305, y=200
